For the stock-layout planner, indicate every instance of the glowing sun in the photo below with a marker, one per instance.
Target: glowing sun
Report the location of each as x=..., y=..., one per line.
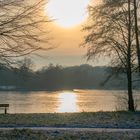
x=67, y=13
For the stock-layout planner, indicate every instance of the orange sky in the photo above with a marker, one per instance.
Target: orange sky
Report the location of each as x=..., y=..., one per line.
x=67, y=49
x=67, y=42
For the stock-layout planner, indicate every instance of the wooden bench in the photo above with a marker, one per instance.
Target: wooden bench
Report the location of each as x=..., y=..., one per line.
x=5, y=106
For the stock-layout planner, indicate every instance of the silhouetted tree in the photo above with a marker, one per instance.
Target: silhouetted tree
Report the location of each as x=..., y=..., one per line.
x=24, y=72
x=129, y=60
x=136, y=6
x=55, y=77
x=21, y=28
x=111, y=33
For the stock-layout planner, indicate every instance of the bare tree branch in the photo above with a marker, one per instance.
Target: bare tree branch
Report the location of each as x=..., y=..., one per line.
x=22, y=28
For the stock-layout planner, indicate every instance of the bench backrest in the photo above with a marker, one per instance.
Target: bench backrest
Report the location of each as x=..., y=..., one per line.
x=4, y=105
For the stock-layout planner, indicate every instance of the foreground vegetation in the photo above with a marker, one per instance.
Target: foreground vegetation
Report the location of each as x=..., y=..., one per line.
x=97, y=120
x=56, y=135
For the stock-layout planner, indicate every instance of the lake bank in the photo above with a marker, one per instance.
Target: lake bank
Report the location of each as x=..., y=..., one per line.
x=89, y=120
x=112, y=121
x=64, y=135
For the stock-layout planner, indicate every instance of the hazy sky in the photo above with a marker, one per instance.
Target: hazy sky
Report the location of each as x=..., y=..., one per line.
x=67, y=49
x=66, y=33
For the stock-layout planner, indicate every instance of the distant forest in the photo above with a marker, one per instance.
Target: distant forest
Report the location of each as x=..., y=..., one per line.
x=56, y=77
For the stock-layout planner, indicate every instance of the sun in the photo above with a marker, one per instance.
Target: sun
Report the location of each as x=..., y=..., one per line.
x=67, y=13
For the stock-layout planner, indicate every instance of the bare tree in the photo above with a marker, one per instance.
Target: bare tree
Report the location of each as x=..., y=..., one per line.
x=24, y=71
x=111, y=33
x=129, y=60
x=136, y=6
x=21, y=28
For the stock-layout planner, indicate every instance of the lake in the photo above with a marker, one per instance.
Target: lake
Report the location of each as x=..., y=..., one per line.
x=66, y=101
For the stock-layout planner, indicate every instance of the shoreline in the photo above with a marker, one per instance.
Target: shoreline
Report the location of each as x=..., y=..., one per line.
x=124, y=120
x=72, y=126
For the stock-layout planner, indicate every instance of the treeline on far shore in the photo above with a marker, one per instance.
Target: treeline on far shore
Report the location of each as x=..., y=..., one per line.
x=56, y=77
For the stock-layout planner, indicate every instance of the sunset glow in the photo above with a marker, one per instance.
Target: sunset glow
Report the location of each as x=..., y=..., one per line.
x=67, y=13
x=67, y=102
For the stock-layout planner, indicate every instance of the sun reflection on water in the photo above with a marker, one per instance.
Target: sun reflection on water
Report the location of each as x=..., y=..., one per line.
x=68, y=102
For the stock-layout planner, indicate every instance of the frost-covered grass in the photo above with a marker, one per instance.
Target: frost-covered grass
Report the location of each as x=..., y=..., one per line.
x=99, y=119
x=56, y=135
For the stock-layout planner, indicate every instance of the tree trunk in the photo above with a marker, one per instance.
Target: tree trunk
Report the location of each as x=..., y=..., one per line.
x=129, y=66
x=137, y=34
x=130, y=91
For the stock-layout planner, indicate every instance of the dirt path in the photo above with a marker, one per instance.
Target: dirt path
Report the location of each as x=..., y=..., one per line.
x=70, y=129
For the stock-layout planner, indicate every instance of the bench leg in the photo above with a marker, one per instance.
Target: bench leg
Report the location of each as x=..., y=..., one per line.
x=5, y=111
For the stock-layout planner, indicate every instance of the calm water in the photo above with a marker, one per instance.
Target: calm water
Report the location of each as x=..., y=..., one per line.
x=64, y=101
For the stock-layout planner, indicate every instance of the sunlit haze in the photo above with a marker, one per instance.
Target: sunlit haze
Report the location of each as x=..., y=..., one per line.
x=66, y=33
x=67, y=13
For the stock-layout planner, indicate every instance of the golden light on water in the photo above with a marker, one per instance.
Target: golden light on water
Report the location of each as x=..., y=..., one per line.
x=64, y=101
x=68, y=102
x=67, y=13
